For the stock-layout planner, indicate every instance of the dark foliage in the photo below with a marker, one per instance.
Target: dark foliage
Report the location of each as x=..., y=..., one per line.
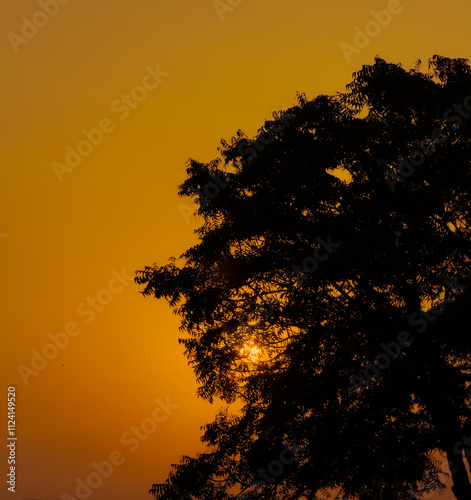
x=321, y=245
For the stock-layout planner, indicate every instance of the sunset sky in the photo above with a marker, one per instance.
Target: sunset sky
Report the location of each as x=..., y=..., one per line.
x=138, y=88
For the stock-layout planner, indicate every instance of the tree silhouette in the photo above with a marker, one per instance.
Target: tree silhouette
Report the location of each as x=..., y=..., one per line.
x=335, y=246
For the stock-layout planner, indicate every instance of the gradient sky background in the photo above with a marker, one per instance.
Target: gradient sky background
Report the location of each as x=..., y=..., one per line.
x=119, y=210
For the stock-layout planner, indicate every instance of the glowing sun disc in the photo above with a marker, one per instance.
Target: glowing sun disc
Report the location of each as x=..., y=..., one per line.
x=250, y=352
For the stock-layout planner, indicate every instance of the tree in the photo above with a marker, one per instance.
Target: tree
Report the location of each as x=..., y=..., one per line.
x=328, y=293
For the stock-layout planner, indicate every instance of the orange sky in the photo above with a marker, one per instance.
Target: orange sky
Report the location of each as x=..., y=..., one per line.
x=75, y=234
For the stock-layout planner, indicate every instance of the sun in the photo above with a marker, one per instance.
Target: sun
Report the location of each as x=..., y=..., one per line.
x=251, y=352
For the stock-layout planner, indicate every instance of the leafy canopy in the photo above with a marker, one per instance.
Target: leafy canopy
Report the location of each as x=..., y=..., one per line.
x=317, y=245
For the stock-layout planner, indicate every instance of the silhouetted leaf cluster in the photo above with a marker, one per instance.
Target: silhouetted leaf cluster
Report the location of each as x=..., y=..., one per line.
x=317, y=171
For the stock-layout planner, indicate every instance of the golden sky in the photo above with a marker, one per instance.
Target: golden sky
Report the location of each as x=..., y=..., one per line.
x=139, y=87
